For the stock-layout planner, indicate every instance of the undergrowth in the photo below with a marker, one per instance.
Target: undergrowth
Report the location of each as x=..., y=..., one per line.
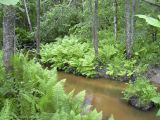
x=34, y=93
x=142, y=89
x=72, y=54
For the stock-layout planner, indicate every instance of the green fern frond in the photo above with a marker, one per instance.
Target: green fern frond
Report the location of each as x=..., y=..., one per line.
x=5, y=113
x=79, y=99
x=59, y=95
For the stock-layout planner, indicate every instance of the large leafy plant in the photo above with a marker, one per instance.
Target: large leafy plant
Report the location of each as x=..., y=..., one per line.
x=150, y=20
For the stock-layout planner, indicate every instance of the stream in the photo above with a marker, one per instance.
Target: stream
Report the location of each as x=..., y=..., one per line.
x=106, y=96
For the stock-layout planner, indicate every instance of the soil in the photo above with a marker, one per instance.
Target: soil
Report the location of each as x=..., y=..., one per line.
x=134, y=101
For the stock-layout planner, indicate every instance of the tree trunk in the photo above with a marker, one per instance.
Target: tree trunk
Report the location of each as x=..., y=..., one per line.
x=38, y=28
x=8, y=37
x=95, y=28
x=27, y=15
x=91, y=18
x=133, y=20
x=115, y=5
x=128, y=29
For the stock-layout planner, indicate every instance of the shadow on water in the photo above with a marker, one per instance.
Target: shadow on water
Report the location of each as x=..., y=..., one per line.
x=105, y=95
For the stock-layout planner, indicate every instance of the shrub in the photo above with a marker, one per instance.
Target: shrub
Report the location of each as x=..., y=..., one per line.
x=112, y=55
x=142, y=89
x=23, y=36
x=147, y=52
x=57, y=22
x=70, y=55
x=75, y=55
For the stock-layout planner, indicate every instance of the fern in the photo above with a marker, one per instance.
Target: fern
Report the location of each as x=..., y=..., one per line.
x=37, y=95
x=70, y=55
x=6, y=113
x=77, y=102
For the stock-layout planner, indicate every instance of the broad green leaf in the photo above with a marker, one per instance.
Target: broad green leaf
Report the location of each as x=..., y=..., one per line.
x=150, y=20
x=111, y=117
x=158, y=113
x=9, y=2
x=156, y=100
x=159, y=17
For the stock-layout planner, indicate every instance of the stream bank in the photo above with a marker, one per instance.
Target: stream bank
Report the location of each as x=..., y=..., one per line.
x=106, y=95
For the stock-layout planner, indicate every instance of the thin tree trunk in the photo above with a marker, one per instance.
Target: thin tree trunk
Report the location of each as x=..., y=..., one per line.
x=38, y=28
x=70, y=2
x=95, y=26
x=8, y=37
x=133, y=20
x=128, y=29
x=115, y=5
x=27, y=15
x=91, y=18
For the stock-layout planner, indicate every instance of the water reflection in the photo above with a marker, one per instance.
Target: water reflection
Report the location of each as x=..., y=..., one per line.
x=106, y=95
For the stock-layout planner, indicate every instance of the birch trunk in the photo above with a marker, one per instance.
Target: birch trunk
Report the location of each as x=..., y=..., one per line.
x=27, y=15
x=115, y=4
x=133, y=20
x=91, y=19
x=128, y=29
x=38, y=28
x=95, y=28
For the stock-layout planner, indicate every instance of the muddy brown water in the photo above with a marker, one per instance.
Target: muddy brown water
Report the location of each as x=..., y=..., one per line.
x=105, y=95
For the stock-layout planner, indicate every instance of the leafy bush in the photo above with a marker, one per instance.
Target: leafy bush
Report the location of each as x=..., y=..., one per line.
x=142, y=89
x=147, y=52
x=113, y=57
x=58, y=21
x=35, y=93
x=70, y=55
x=23, y=36
x=77, y=56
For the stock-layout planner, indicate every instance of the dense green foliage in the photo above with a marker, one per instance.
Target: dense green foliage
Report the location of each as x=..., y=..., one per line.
x=72, y=54
x=57, y=22
x=142, y=89
x=66, y=37
x=23, y=36
x=35, y=93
